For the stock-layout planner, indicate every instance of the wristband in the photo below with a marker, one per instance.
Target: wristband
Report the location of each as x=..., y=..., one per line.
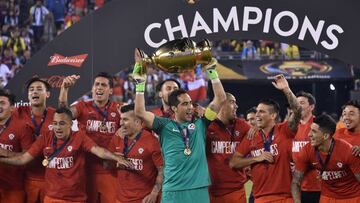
x=140, y=87
x=212, y=74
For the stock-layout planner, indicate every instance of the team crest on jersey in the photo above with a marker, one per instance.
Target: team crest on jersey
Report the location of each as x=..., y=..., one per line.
x=140, y=150
x=237, y=133
x=69, y=148
x=339, y=164
x=50, y=127
x=11, y=136
x=113, y=114
x=191, y=126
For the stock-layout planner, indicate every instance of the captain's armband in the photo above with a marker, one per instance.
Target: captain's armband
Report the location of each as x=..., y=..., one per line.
x=210, y=114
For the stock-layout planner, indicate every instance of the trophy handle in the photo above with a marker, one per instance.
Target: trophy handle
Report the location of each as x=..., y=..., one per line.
x=203, y=52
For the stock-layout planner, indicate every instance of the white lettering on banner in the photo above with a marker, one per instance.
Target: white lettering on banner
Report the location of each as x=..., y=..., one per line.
x=252, y=16
x=7, y=147
x=138, y=164
x=273, y=150
x=333, y=175
x=61, y=162
x=94, y=126
x=223, y=147
x=298, y=145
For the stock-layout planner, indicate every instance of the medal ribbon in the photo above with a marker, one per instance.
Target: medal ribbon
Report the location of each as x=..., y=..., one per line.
x=38, y=127
x=267, y=142
x=127, y=148
x=103, y=114
x=57, y=151
x=327, y=159
x=185, y=134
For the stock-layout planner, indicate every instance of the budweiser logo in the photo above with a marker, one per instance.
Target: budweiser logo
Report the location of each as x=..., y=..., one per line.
x=76, y=61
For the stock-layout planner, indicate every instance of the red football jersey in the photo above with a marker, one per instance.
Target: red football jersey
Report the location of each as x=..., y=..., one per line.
x=159, y=111
x=271, y=178
x=221, y=142
x=309, y=183
x=16, y=137
x=90, y=120
x=344, y=134
x=34, y=170
x=338, y=180
x=65, y=174
x=134, y=185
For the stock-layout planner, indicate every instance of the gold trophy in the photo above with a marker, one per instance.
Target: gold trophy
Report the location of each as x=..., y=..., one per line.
x=176, y=56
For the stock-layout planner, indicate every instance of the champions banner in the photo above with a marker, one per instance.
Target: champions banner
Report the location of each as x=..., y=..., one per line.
x=105, y=40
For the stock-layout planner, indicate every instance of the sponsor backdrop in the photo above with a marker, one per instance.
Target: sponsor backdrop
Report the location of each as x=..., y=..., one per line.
x=105, y=40
x=296, y=70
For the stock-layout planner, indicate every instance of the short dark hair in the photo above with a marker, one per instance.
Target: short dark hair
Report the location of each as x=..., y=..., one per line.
x=107, y=76
x=354, y=103
x=66, y=111
x=173, y=97
x=159, y=86
x=326, y=123
x=127, y=108
x=275, y=107
x=6, y=93
x=37, y=79
x=251, y=110
x=311, y=99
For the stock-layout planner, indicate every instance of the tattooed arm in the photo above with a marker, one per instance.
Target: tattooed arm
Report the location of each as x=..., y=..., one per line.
x=152, y=197
x=282, y=84
x=357, y=177
x=295, y=185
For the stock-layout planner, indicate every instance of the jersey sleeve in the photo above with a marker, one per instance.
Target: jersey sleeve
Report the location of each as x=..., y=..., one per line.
x=303, y=159
x=284, y=128
x=156, y=153
x=244, y=128
x=244, y=147
x=87, y=143
x=159, y=123
x=38, y=146
x=112, y=144
x=26, y=138
x=353, y=161
x=79, y=106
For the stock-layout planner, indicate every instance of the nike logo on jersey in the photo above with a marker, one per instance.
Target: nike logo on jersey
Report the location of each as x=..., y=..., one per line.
x=175, y=130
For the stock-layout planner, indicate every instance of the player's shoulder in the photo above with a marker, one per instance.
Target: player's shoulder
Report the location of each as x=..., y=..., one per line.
x=21, y=110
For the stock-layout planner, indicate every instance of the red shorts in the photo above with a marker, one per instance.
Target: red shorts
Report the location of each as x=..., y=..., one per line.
x=48, y=199
x=274, y=199
x=35, y=190
x=13, y=196
x=101, y=186
x=324, y=199
x=238, y=196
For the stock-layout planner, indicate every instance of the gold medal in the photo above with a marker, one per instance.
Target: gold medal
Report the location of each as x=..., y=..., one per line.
x=187, y=151
x=45, y=162
x=103, y=127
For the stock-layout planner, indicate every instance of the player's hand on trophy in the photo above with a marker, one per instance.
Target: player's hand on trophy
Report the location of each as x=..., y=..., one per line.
x=69, y=81
x=280, y=83
x=211, y=69
x=212, y=64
